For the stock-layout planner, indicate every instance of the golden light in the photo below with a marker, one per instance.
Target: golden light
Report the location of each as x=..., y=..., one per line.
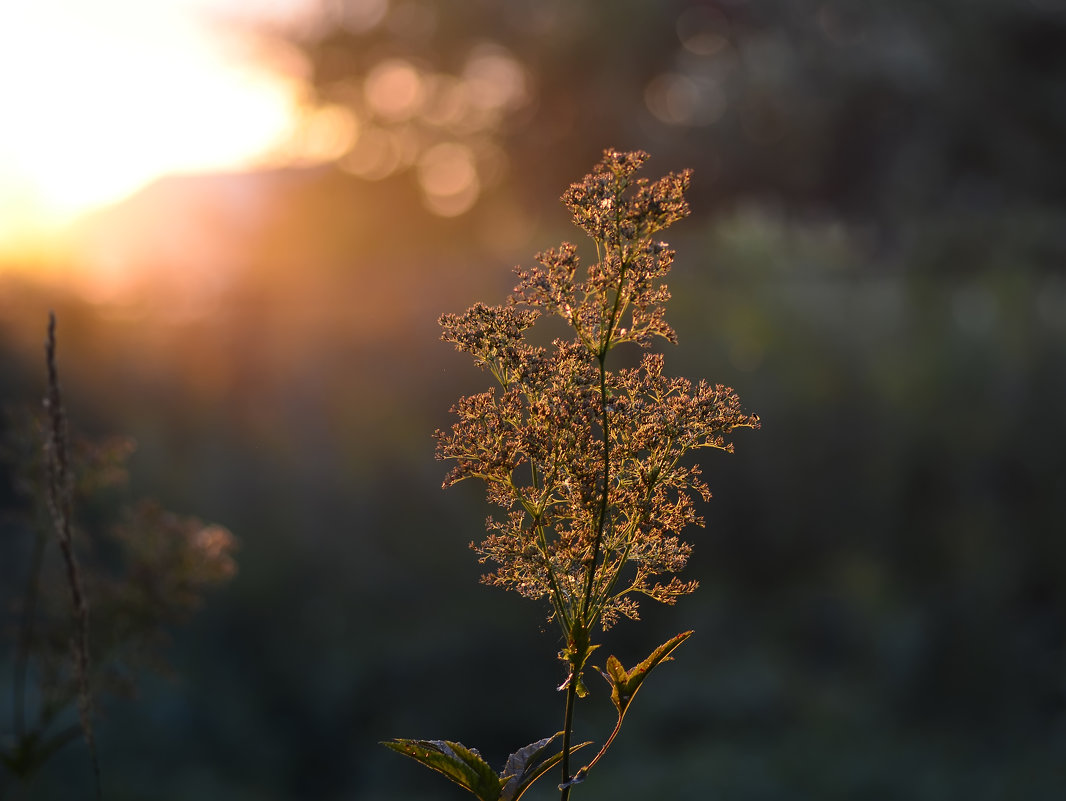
x=703, y=30
x=448, y=176
x=394, y=89
x=101, y=98
x=495, y=79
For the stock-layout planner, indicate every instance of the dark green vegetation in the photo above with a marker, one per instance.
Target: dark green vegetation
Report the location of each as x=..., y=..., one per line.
x=875, y=260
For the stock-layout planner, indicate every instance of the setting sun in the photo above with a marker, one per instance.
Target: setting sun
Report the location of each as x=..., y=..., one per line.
x=100, y=98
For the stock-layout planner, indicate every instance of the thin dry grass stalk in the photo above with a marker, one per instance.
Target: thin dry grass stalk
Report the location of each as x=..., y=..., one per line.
x=60, y=504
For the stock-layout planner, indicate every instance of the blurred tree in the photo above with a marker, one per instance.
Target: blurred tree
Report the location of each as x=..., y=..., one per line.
x=874, y=112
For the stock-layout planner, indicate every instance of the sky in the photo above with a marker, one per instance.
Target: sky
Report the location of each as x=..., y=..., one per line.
x=100, y=97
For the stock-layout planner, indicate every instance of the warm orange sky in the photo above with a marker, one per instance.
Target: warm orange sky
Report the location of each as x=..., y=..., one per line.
x=99, y=97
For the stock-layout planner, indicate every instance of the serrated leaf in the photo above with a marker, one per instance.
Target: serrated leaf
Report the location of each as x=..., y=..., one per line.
x=625, y=683
x=462, y=765
x=518, y=762
x=616, y=673
x=526, y=765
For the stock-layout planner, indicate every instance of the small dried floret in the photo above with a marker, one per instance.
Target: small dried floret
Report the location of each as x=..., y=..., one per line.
x=492, y=335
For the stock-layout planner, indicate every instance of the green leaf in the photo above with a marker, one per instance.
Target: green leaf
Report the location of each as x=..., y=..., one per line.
x=625, y=683
x=527, y=765
x=462, y=765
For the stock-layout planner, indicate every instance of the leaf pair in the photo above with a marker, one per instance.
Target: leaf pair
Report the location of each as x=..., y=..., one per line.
x=625, y=683
x=465, y=766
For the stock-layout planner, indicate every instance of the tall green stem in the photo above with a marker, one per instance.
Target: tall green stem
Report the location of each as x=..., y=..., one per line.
x=578, y=659
x=568, y=728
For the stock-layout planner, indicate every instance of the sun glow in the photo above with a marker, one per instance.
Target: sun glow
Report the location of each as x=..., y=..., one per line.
x=97, y=99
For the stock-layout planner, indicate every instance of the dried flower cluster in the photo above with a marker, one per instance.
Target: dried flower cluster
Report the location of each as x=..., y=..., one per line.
x=587, y=463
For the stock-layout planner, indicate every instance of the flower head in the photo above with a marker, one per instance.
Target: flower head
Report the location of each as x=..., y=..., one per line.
x=588, y=464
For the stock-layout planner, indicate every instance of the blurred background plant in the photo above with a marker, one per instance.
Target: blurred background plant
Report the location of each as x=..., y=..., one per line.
x=72, y=543
x=875, y=261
